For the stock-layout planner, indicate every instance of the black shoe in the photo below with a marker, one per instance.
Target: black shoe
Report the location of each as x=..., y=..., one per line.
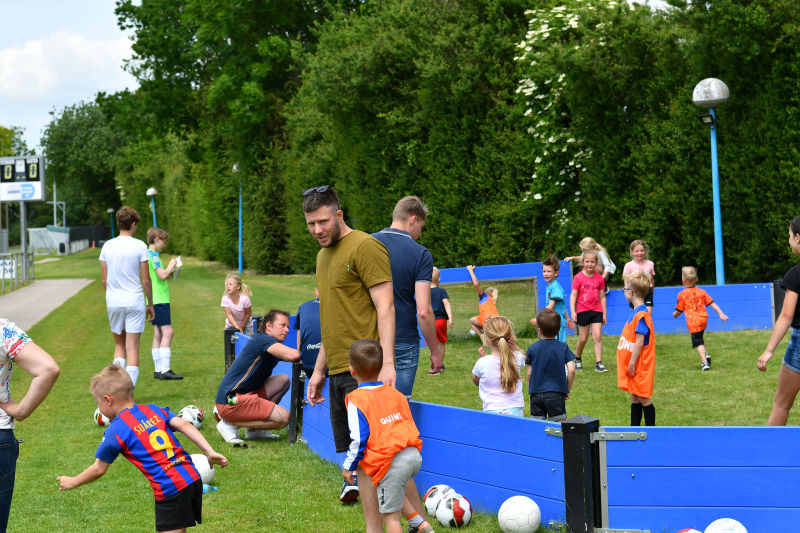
x=156, y=375
x=169, y=374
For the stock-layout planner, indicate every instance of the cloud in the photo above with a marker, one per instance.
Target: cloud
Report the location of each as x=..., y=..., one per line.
x=63, y=67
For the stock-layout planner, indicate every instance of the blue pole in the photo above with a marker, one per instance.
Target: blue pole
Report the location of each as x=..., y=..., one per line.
x=153, y=209
x=111, y=218
x=720, y=261
x=240, y=227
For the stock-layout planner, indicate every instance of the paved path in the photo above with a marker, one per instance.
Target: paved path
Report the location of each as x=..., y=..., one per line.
x=30, y=304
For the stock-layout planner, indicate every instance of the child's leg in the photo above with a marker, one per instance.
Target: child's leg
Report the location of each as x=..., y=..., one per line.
x=476, y=326
x=597, y=336
x=648, y=409
x=369, y=502
x=583, y=337
x=636, y=411
x=702, y=351
x=785, y=394
x=392, y=522
x=166, y=336
x=156, y=337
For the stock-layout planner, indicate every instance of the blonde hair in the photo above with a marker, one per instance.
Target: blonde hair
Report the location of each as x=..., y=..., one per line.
x=435, y=276
x=689, y=274
x=639, y=242
x=243, y=288
x=638, y=282
x=587, y=243
x=113, y=381
x=593, y=253
x=492, y=291
x=499, y=333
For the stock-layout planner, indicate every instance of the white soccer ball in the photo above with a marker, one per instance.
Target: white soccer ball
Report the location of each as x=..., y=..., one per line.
x=519, y=514
x=690, y=530
x=203, y=467
x=100, y=419
x=725, y=525
x=192, y=414
x=434, y=495
x=454, y=510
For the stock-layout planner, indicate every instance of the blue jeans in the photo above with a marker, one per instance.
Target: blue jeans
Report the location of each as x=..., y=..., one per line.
x=406, y=358
x=9, y=451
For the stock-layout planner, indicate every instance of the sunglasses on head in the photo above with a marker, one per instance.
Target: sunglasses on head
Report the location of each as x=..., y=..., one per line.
x=320, y=189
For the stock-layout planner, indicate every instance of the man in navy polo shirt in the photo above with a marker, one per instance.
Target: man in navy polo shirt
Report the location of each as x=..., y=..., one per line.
x=309, y=334
x=412, y=268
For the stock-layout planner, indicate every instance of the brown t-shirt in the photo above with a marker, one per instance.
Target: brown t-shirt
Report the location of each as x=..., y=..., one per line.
x=345, y=273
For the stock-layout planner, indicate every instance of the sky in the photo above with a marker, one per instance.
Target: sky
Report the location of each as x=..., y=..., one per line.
x=56, y=53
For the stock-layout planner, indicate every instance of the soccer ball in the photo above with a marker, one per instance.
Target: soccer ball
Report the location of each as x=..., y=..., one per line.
x=434, y=496
x=690, y=530
x=454, y=510
x=192, y=414
x=203, y=467
x=519, y=514
x=100, y=419
x=725, y=525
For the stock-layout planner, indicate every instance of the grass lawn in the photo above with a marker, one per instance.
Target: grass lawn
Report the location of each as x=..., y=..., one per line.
x=274, y=486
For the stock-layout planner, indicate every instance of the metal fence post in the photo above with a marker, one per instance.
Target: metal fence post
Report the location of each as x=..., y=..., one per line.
x=296, y=403
x=581, y=474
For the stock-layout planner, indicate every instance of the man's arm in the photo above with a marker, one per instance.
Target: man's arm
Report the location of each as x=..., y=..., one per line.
x=317, y=379
x=104, y=272
x=427, y=323
x=383, y=300
x=284, y=353
x=147, y=286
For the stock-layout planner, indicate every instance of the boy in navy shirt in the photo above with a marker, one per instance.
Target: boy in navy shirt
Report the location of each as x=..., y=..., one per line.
x=143, y=433
x=548, y=381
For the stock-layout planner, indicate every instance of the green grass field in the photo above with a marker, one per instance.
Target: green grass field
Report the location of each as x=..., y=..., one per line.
x=276, y=486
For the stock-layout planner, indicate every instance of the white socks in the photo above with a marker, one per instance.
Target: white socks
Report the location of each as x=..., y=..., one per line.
x=119, y=361
x=133, y=372
x=166, y=353
x=156, y=359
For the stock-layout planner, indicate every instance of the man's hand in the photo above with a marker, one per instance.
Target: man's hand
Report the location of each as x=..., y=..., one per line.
x=149, y=313
x=314, y=391
x=387, y=375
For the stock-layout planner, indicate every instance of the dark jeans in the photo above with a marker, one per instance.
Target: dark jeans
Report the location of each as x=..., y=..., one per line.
x=9, y=451
x=550, y=405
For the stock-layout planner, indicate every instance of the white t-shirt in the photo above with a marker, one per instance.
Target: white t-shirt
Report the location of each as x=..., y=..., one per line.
x=489, y=388
x=12, y=339
x=123, y=256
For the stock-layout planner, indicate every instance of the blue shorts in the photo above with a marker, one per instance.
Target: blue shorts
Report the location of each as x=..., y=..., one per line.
x=791, y=358
x=162, y=316
x=507, y=411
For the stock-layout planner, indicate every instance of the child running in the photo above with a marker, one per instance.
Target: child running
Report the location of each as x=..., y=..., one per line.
x=385, y=447
x=443, y=313
x=636, y=352
x=548, y=384
x=588, y=306
x=236, y=301
x=143, y=433
x=640, y=263
x=498, y=373
x=487, y=304
x=162, y=322
x=693, y=301
x=555, y=296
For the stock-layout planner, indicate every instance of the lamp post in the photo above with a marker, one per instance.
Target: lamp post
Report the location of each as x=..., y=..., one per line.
x=710, y=93
x=236, y=171
x=151, y=192
x=110, y=212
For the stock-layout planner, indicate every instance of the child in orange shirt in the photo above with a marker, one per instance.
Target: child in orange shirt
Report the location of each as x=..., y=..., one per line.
x=487, y=305
x=636, y=352
x=693, y=302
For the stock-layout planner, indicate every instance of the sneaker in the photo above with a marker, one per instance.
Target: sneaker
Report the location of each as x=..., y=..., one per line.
x=578, y=364
x=600, y=367
x=424, y=527
x=708, y=360
x=156, y=375
x=229, y=432
x=260, y=434
x=169, y=374
x=706, y=367
x=349, y=492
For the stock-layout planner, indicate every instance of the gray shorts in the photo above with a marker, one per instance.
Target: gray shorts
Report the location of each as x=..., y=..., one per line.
x=392, y=488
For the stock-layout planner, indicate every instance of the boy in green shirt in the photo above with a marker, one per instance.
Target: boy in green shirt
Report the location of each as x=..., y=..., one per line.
x=162, y=322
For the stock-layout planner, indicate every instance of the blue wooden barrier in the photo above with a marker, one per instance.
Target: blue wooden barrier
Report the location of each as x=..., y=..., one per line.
x=682, y=477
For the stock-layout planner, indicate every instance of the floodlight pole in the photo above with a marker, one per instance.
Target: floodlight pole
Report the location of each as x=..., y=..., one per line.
x=110, y=211
x=720, y=259
x=151, y=192
x=241, y=240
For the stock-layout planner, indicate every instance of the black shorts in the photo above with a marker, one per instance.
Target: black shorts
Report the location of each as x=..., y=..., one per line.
x=162, y=316
x=184, y=509
x=697, y=338
x=339, y=386
x=550, y=405
x=589, y=317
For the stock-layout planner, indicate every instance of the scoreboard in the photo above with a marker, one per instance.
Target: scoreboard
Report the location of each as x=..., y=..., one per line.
x=21, y=179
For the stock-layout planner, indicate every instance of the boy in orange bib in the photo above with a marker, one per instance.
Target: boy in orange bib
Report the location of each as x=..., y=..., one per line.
x=636, y=352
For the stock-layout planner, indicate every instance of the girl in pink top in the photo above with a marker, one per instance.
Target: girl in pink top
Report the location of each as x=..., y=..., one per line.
x=588, y=306
x=640, y=263
x=236, y=302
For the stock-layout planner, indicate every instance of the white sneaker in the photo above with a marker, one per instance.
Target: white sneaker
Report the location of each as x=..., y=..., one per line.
x=260, y=434
x=229, y=432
